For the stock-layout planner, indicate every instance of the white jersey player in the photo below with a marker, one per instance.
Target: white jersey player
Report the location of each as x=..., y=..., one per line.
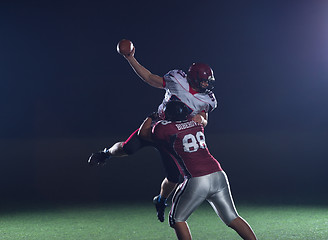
x=178, y=88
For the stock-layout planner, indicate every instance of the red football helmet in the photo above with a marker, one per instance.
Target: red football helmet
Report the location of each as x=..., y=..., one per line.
x=200, y=77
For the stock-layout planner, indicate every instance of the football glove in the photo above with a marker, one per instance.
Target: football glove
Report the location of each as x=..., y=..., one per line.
x=99, y=158
x=154, y=116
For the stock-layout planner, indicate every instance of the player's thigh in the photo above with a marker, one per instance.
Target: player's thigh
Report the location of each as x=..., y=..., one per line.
x=222, y=201
x=189, y=195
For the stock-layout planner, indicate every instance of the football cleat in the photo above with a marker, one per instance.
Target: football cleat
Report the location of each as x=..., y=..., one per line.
x=160, y=204
x=99, y=158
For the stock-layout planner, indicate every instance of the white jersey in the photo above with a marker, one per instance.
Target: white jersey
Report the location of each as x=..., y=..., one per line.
x=178, y=88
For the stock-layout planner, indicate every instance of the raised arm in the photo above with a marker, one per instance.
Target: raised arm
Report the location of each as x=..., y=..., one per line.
x=148, y=77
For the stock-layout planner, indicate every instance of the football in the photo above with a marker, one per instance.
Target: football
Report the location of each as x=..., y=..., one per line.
x=124, y=47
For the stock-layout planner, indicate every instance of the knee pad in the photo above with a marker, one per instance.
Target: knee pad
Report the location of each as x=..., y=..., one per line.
x=174, y=177
x=171, y=169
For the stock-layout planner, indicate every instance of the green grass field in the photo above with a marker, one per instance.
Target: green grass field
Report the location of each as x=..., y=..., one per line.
x=128, y=221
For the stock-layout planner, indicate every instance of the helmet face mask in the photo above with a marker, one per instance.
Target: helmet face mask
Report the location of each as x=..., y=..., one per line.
x=200, y=77
x=206, y=84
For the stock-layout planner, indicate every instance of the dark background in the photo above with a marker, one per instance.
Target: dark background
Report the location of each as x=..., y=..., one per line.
x=65, y=92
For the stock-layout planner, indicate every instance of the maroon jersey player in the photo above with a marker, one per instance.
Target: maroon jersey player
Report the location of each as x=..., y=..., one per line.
x=184, y=140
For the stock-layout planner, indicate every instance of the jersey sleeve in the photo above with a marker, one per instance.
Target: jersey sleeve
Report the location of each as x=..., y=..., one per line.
x=158, y=134
x=162, y=131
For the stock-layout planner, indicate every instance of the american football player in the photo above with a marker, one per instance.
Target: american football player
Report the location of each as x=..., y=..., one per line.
x=194, y=89
x=204, y=178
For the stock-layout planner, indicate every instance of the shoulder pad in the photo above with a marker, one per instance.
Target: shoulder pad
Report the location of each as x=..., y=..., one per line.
x=175, y=72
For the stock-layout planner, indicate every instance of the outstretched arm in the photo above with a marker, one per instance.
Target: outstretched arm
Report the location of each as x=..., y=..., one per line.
x=144, y=73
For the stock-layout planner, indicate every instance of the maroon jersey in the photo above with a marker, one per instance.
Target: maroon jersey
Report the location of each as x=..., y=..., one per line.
x=185, y=142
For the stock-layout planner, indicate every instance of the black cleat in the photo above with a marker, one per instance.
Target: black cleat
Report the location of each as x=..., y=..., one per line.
x=99, y=158
x=160, y=205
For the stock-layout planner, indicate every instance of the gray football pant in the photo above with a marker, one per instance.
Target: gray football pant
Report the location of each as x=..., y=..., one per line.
x=193, y=192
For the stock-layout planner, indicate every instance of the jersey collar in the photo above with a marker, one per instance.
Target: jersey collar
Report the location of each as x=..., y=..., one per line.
x=192, y=91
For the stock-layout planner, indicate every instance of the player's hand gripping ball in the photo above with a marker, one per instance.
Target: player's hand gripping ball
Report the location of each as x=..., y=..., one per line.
x=125, y=47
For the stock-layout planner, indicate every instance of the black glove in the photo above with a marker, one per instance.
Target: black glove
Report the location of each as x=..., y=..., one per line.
x=99, y=158
x=154, y=116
